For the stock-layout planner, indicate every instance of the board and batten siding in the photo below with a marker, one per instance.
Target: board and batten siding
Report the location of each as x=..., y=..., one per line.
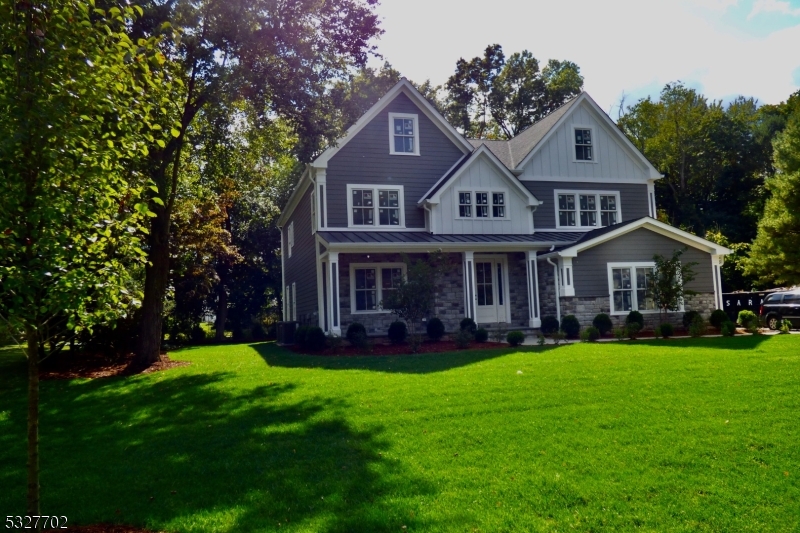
x=365, y=159
x=556, y=157
x=301, y=268
x=590, y=268
x=481, y=174
x=632, y=197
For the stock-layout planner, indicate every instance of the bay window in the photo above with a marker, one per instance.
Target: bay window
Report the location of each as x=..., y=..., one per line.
x=587, y=209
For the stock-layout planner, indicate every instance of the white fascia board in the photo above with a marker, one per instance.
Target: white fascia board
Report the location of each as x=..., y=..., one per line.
x=409, y=90
x=509, y=177
x=294, y=198
x=431, y=247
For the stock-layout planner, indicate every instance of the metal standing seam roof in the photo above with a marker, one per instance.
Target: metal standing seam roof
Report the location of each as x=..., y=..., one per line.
x=419, y=237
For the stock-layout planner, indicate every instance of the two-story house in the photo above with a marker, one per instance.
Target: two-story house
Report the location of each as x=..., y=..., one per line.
x=558, y=220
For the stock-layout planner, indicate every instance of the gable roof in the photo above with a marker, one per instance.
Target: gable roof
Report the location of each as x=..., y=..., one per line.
x=405, y=87
x=452, y=175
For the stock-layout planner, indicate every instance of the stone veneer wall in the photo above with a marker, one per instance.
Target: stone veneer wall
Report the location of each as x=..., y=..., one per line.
x=518, y=289
x=547, y=289
x=585, y=309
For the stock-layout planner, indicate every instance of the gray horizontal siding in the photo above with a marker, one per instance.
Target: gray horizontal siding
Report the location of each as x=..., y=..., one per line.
x=591, y=270
x=365, y=159
x=633, y=199
x=301, y=268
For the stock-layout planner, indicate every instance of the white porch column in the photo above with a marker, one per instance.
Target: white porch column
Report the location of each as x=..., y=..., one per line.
x=333, y=300
x=566, y=275
x=716, y=262
x=534, y=317
x=470, y=297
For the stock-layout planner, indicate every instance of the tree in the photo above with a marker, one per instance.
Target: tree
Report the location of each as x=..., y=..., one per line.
x=670, y=277
x=281, y=57
x=775, y=254
x=79, y=100
x=412, y=300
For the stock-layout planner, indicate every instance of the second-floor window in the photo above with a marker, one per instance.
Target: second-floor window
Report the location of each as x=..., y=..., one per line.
x=375, y=206
x=583, y=145
x=403, y=134
x=482, y=204
x=587, y=209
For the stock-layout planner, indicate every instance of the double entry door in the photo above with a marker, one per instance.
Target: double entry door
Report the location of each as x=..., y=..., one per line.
x=491, y=289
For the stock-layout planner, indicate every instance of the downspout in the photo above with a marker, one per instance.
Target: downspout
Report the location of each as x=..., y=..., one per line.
x=558, y=296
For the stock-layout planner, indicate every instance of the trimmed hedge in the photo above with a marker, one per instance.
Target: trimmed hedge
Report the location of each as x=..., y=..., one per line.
x=635, y=316
x=355, y=330
x=515, y=338
x=667, y=330
x=718, y=317
x=397, y=332
x=481, y=335
x=570, y=326
x=467, y=324
x=549, y=325
x=435, y=329
x=603, y=323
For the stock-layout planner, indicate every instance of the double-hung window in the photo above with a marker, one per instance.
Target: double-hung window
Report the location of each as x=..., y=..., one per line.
x=587, y=209
x=403, y=134
x=372, y=283
x=583, y=144
x=631, y=287
x=482, y=204
x=375, y=206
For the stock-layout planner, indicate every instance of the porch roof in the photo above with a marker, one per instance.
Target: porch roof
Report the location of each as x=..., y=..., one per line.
x=360, y=239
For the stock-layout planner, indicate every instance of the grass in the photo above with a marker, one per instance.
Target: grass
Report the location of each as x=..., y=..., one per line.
x=683, y=435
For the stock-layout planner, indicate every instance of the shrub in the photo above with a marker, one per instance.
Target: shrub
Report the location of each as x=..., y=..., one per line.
x=355, y=329
x=499, y=334
x=515, y=338
x=590, y=334
x=747, y=319
x=481, y=335
x=603, y=323
x=728, y=329
x=541, y=340
x=300, y=335
x=657, y=332
x=688, y=316
x=619, y=333
x=462, y=339
x=718, y=317
x=558, y=336
x=467, y=324
x=397, y=332
x=334, y=342
x=667, y=330
x=698, y=326
x=435, y=329
x=315, y=339
x=632, y=330
x=549, y=325
x=785, y=327
x=570, y=326
x=198, y=334
x=635, y=317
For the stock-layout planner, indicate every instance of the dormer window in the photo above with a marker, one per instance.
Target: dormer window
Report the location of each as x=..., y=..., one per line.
x=583, y=144
x=403, y=134
x=482, y=204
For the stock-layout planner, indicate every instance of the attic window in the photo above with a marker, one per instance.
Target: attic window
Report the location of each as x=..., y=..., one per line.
x=403, y=134
x=583, y=145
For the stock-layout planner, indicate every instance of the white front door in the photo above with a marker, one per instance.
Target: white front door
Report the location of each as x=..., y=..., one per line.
x=490, y=290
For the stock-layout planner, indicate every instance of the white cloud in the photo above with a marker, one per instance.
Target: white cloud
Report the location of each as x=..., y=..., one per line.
x=620, y=45
x=773, y=6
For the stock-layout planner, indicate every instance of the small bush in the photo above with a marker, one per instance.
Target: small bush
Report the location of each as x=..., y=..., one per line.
x=603, y=323
x=570, y=326
x=688, y=316
x=698, y=326
x=635, y=317
x=354, y=330
x=334, y=342
x=462, y=339
x=728, y=329
x=435, y=329
x=397, y=332
x=747, y=319
x=198, y=334
x=499, y=334
x=481, y=335
x=590, y=334
x=619, y=334
x=632, y=330
x=657, y=332
x=515, y=338
x=785, y=327
x=467, y=324
x=549, y=325
x=718, y=317
x=315, y=339
x=558, y=336
x=667, y=330
x=300, y=335
x=541, y=340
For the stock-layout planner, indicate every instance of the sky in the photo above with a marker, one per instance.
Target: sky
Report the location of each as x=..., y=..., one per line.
x=723, y=48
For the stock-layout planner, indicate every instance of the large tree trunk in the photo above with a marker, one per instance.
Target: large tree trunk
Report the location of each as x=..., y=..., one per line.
x=33, y=421
x=155, y=287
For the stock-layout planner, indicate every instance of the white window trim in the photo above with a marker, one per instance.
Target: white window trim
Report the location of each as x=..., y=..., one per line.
x=375, y=206
x=594, y=144
x=635, y=301
x=576, y=193
x=415, y=118
x=290, y=237
x=491, y=212
x=378, y=285
x=313, y=212
x=294, y=301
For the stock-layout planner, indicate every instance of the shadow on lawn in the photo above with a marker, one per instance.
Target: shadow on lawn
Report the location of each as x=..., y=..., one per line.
x=192, y=452
x=741, y=342
x=427, y=363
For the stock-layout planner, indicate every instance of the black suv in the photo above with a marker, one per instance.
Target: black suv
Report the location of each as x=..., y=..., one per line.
x=781, y=305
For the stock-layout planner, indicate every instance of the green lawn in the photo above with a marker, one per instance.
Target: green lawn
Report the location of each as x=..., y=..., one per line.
x=681, y=435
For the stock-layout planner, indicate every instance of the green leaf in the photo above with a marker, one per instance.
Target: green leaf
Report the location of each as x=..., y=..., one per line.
x=161, y=143
x=158, y=200
x=175, y=133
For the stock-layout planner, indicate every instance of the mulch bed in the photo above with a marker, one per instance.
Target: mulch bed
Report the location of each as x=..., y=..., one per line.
x=399, y=349
x=102, y=528
x=92, y=366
